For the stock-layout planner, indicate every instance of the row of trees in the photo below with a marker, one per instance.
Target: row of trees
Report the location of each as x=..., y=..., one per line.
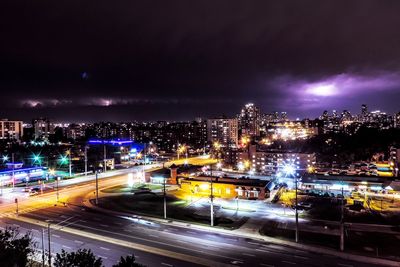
x=18, y=250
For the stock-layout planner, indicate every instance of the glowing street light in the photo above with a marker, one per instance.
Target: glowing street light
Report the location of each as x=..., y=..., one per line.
x=5, y=158
x=240, y=166
x=52, y=172
x=219, y=165
x=36, y=159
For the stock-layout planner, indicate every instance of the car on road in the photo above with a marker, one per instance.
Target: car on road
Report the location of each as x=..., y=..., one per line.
x=34, y=191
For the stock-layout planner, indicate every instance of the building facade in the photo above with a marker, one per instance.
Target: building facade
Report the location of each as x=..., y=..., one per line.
x=11, y=130
x=223, y=130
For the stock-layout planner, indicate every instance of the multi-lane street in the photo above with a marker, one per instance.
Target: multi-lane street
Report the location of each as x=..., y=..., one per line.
x=75, y=225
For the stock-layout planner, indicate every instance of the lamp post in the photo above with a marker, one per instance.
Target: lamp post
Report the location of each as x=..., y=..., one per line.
x=97, y=188
x=165, y=201
x=49, y=241
x=70, y=163
x=342, y=222
x=297, y=214
x=105, y=158
x=43, y=251
x=13, y=168
x=57, y=179
x=212, y=202
x=86, y=161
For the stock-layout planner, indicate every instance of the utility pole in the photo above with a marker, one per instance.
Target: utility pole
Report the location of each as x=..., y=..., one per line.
x=105, y=158
x=48, y=236
x=165, y=202
x=43, y=251
x=86, y=161
x=212, y=203
x=97, y=188
x=342, y=222
x=297, y=214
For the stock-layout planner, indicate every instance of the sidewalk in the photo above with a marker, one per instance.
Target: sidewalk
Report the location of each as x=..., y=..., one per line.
x=247, y=232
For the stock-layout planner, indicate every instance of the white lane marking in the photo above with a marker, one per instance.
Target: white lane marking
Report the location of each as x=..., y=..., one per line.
x=104, y=225
x=182, y=241
x=154, y=236
x=77, y=241
x=166, y=264
x=247, y=254
x=104, y=248
x=55, y=235
x=66, y=247
x=191, y=232
x=301, y=257
x=103, y=257
x=267, y=251
x=253, y=243
x=231, y=239
x=289, y=262
x=345, y=265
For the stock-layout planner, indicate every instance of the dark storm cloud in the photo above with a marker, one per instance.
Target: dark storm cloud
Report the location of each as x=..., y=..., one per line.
x=179, y=59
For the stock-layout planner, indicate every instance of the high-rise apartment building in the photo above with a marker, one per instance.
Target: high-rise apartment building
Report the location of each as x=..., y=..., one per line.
x=223, y=130
x=11, y=130
x=249, y=121
x=42, y=128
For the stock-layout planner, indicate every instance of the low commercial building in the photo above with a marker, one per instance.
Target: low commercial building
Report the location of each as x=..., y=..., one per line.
x=224, y=187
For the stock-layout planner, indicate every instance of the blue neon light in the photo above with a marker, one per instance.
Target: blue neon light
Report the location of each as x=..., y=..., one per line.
x=111, y=142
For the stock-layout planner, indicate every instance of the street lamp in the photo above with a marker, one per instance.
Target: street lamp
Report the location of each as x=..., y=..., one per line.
x=165, y=201
x=211, y=202
x=58, y=178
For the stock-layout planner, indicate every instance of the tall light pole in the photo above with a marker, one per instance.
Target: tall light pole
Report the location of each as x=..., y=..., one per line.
x=57, y=179
x=211, y=201
x=297, y=213
x=105, y=158
x=165, y=202
x=342, y=222
x=43, y=251
x=48, y=236
x=13, y=168
x=86, y=161
x=97, y=188
x=70, y=163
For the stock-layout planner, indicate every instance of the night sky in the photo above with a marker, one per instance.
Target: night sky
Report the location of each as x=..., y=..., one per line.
x=155, y=60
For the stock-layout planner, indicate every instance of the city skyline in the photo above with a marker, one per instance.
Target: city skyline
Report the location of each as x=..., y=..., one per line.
x=134, y=61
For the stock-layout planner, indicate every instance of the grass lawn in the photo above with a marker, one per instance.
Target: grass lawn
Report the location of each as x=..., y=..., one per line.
x=127, y=189
x=151, y=204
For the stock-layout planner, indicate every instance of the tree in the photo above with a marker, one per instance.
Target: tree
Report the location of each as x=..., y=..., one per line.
x=128, y=261
x=14, y=248
x=80, y=258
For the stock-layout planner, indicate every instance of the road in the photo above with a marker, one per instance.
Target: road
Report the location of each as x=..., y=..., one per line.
x=155, y=244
